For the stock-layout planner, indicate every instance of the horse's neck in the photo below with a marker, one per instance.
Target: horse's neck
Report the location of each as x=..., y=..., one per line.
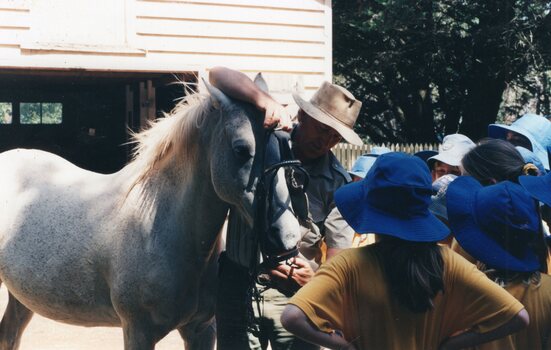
x=204, y=214
x=191, y=215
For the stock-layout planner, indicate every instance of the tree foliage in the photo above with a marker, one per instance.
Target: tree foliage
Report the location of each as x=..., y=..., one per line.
x=41, y=113
x=424, y=68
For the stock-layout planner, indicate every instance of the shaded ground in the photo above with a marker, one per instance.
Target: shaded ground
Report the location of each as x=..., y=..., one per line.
x=44, y=334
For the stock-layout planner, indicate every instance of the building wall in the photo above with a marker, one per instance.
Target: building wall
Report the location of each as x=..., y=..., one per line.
x=288, y=40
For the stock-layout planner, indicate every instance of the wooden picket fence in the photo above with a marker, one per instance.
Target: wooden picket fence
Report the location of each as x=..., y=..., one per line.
x=347, y=153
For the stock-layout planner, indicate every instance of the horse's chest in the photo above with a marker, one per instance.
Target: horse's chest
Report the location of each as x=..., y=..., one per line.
x=171, y=293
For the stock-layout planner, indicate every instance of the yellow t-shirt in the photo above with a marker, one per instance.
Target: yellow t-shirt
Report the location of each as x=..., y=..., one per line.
x=537, y=301
x=456, y=247
x=350, y=294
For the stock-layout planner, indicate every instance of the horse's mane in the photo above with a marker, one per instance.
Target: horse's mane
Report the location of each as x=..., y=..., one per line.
x=173, y=138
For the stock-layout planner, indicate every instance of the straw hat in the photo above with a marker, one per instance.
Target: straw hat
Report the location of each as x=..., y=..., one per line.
x=336, y=107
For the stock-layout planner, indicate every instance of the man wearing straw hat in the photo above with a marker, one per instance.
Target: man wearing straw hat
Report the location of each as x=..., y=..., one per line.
x=323, y=121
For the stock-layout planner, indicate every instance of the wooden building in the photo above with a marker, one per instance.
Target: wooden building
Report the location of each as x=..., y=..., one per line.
x=75, y=74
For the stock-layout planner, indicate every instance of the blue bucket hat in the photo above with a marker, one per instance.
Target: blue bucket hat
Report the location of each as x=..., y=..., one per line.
x=365, y=162
x=538, y=187
x=489, y=222
x=392, y=199
x=530, y=157
x=535, y=128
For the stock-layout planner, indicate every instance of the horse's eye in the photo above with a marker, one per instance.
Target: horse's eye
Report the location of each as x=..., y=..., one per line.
x=242, y=151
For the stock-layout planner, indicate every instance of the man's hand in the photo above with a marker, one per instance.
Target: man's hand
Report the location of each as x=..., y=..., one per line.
x=299, y=271
x=275, y=114
x=239, y=86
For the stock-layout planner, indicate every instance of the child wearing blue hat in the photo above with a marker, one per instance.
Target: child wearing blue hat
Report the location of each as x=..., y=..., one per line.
x=498, y=225
x=405, y=291
x=530, y=131
x=359, y=170
x=495, y=160
x=364, y=162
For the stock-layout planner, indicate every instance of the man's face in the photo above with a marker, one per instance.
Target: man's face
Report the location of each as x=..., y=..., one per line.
x=313, y=139
x=519, y=140
x=440, y=169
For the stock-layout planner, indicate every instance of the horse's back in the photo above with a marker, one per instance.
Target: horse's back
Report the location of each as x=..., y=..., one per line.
x=40, y=184
x=48, y=232
x=21, y=164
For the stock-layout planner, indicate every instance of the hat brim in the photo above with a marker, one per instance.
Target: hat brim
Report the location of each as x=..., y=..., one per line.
x=425, y=155
x=461, y=197
x=365, y=219
x=346, y=132
x=499, y=131
x=445, y=158
x=358, y=173
x=538, y=187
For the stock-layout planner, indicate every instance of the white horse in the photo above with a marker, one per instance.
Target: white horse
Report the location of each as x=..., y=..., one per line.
x=137, y=248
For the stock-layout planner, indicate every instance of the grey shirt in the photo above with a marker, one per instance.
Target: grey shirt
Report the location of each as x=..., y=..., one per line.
x=326, y=176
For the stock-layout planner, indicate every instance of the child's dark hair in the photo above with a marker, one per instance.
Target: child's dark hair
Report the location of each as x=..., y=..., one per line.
x=414, y=271
x=495, y=160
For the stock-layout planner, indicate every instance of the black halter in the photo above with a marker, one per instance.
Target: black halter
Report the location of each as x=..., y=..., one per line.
x=278, y=155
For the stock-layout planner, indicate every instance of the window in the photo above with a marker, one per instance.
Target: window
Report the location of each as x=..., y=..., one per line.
x=40, y=113
x=5, y=113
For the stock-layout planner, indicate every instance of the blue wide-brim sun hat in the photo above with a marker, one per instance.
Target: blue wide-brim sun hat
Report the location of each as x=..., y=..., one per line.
x=530, y=157
x=534, y=127
x=365, y=162
x=480, y=216
x=538, y=187
x=392, y=199
x=362, y=165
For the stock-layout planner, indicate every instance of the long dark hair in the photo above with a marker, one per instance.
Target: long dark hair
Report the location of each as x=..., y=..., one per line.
x=495, y=160
x=414, y=271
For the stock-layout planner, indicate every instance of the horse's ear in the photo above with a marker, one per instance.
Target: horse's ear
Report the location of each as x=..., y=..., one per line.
x=217, y=97
x=261, y=83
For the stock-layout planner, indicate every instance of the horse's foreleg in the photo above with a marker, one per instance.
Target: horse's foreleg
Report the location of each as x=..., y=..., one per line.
x=138, y=337
x=16, y=318
x=199, y=339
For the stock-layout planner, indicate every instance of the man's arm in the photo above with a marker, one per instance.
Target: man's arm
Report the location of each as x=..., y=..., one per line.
x=338, y=234
x=237, y=85
x=295, y=321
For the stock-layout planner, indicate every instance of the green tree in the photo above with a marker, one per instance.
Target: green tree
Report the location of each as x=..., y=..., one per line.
x=30, y=113
x=428, y=68
x=5, y=113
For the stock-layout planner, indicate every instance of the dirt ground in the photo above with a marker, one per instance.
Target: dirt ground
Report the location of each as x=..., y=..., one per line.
x=44, y=334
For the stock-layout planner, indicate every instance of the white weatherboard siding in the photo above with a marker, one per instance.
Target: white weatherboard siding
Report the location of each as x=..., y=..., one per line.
x=288, y=40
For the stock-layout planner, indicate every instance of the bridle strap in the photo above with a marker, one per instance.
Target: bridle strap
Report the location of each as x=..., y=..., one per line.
x=263, y=203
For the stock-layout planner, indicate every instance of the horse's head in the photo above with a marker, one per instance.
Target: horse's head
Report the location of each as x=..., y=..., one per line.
x=241, y=150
